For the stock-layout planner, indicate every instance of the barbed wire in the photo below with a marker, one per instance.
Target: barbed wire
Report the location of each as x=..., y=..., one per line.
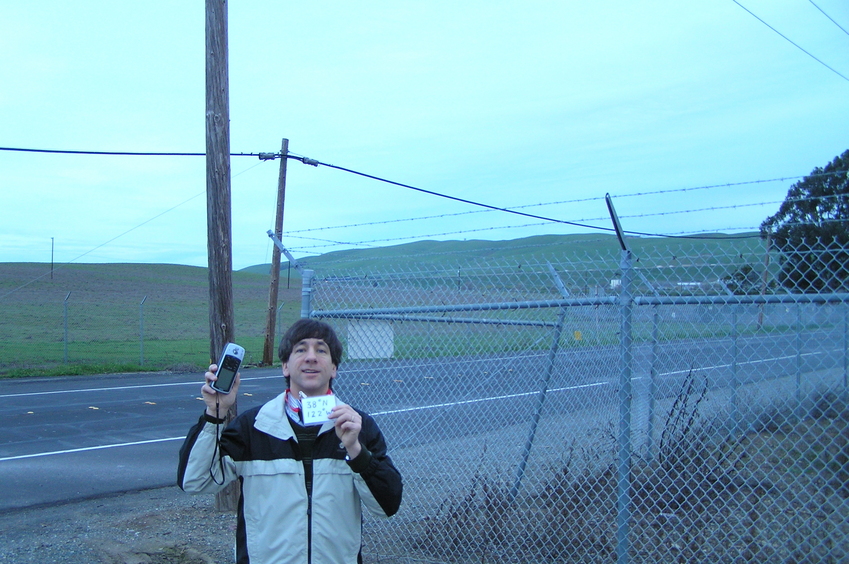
x=294, y=234
x=488, y=208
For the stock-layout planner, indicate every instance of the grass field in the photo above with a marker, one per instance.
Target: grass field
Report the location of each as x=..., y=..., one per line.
x=108, y=327
x=574, y=248
x=90, y=318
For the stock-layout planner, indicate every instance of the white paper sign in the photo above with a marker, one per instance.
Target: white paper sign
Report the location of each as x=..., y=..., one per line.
x=317, y=410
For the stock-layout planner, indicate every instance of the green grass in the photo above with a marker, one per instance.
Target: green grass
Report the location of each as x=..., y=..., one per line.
x=73, y=370
x=96, y=310
x=105, y=317
x=105, y=357
x=574, y=248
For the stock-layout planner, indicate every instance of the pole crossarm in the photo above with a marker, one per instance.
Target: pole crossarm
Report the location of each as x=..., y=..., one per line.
x=279, y=244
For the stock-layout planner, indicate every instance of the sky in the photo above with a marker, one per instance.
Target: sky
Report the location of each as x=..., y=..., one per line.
x=694, y=116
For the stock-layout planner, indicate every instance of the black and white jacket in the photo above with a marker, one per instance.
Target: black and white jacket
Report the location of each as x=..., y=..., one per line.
x=278, y=522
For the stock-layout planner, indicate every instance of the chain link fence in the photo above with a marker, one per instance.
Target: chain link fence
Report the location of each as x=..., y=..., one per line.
x=153, y=317
x=629, y=407
x=656, y=406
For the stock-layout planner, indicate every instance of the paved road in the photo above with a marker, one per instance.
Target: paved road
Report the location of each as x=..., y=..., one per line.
x=78, y=437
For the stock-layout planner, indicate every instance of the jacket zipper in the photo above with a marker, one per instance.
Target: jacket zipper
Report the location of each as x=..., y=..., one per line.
x=309, y=526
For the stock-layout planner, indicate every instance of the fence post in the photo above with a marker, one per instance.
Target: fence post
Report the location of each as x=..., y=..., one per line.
x=652, y=382
x=141, y=332
x=845, y=347
x=306, y=292
x=655, y=331
x=279, y=319
x=65, y=317
x=798, y=360
x=623, y=483
x=552, y=358
x=623, y=473
x=735, y=379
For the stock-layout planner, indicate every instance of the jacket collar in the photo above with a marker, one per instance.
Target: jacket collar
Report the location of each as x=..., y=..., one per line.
x=272, y=420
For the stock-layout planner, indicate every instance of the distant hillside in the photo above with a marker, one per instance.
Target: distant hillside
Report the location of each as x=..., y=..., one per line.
x=99, y=315
x=454, y=253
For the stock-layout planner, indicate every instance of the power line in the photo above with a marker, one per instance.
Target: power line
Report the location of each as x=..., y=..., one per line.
x=560, y=202
x=512, y=210
x=632, y=216
x=487, y=207
x=829, y=17
x=102, y=245
x=455, y=198
x=314, y=162
x=160, y=214
x=791, y=41
x=121, y=153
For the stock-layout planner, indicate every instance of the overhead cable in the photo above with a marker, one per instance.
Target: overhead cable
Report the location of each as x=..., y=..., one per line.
x=124, y=153
x=829, y=17
x=78, y=257
x=792, y=42
x=265, y=156
x=583, y=200
x=454, y=198
x=314, y=162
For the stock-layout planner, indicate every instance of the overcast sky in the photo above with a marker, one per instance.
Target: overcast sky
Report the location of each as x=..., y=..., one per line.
x=506, y=103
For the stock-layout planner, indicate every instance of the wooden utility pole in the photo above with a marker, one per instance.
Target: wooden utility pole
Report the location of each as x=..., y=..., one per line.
x=218, y=228
x=268, y=347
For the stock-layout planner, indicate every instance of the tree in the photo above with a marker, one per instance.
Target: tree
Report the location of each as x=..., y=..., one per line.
x=745, y=281
x=811, y=230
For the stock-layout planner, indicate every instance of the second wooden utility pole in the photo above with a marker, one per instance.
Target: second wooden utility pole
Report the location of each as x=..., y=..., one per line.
x=268, y=347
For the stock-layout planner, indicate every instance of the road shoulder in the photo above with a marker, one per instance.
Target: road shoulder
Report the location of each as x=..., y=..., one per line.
x=151, y=526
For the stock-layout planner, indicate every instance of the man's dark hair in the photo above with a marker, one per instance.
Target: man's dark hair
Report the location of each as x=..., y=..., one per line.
x=310, y=329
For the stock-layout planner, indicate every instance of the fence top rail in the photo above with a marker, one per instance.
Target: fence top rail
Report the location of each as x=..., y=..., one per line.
x=433, y=319
x=534, y=304
x=586, y=301
x=743, y=299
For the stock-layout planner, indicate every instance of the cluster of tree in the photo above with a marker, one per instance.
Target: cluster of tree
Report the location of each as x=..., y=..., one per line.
x=747, y=281
x=811, y=231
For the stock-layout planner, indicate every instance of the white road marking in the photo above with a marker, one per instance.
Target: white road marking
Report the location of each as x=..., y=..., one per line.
x=118, y=388
x=390, y=412
x=86, y=449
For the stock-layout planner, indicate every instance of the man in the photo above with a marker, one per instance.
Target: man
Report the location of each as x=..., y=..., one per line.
x=302, y=486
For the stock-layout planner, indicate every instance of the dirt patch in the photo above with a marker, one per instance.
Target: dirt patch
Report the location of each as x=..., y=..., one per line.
x=156, y=526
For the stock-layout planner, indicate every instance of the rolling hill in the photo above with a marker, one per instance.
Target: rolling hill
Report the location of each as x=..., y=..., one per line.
x=450, y=254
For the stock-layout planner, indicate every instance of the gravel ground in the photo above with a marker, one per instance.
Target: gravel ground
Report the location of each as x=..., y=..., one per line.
x=158, y=526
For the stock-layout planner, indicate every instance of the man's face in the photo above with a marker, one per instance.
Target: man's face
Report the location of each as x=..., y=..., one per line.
x=310, y=368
